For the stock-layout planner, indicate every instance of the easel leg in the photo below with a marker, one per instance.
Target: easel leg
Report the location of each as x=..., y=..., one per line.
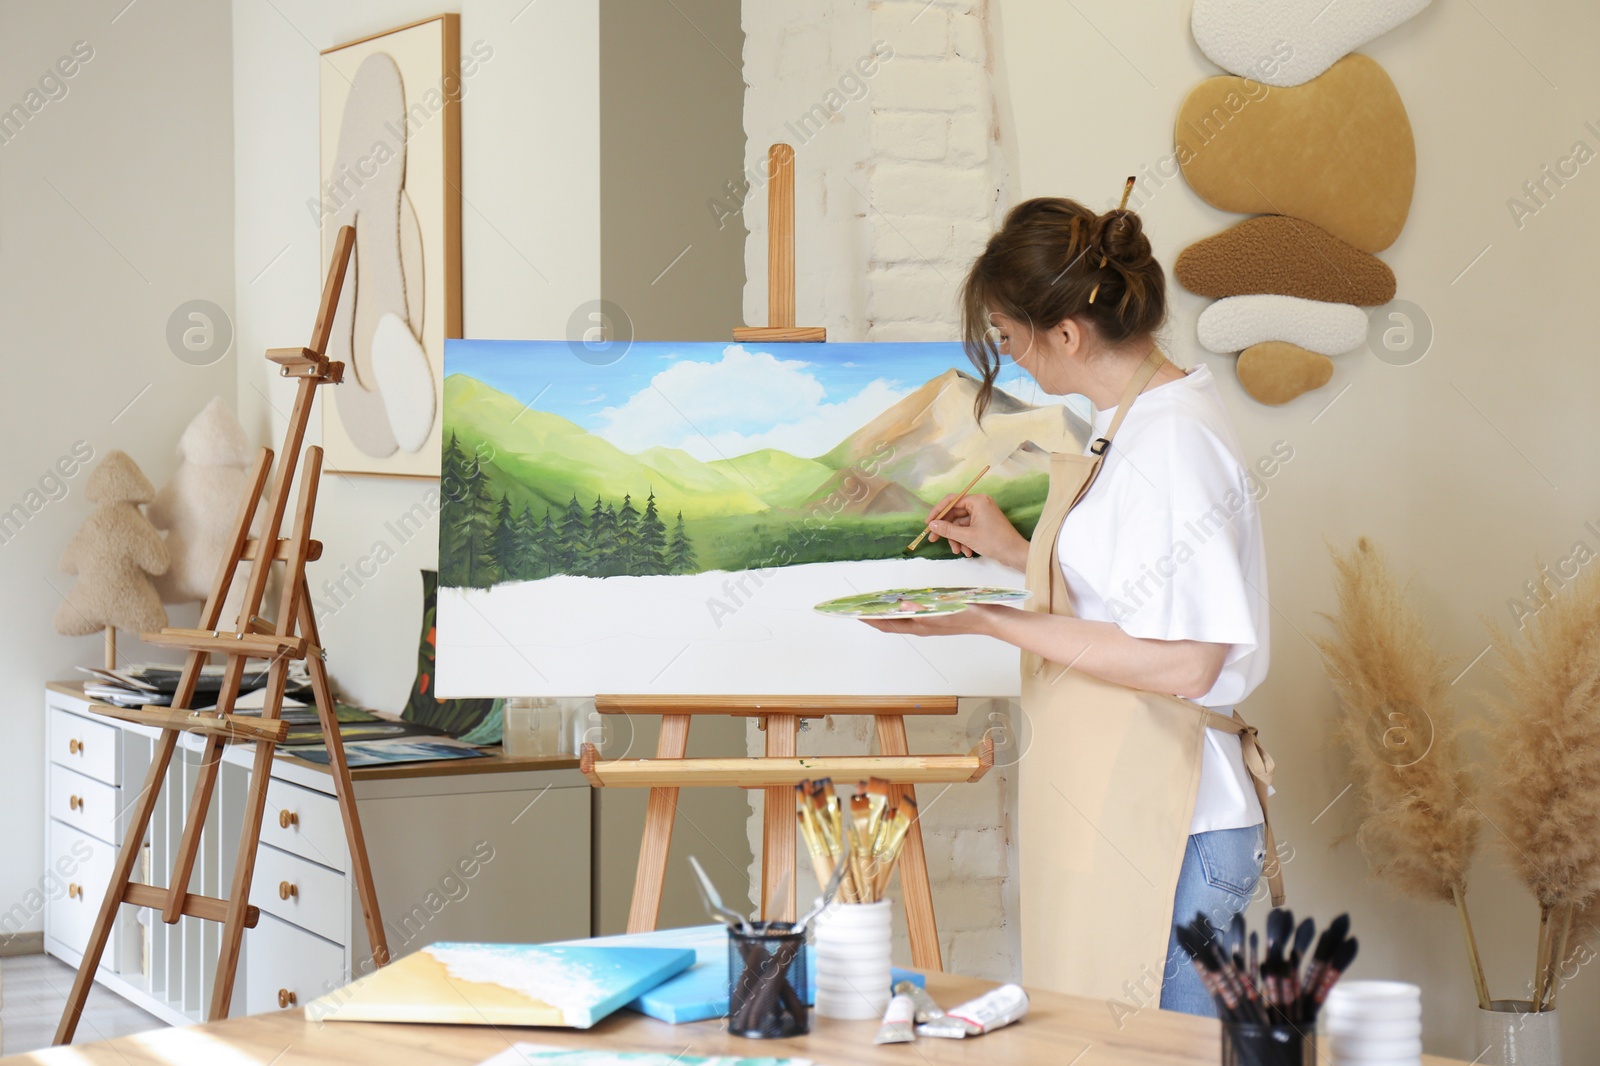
x=355, y=841
x=200, y=800
x=121, y=874
x=672, y=742
x=914, y=887
x=777, y=832
x=244, y=865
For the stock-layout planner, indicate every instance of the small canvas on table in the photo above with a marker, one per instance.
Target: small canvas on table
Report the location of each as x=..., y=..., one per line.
x=504, y=984
x=701, y=990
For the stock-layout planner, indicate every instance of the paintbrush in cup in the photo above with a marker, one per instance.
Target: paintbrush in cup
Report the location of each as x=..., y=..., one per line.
x=822, y=862
x=914, y=545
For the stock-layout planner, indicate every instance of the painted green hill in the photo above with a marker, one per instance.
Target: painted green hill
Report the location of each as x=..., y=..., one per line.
x=540, y=458
x=783, y=480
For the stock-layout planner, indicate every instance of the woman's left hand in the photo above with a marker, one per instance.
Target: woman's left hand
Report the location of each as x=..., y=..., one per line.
x=975, y=619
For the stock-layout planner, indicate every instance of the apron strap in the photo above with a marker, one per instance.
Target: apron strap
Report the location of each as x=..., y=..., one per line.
x=1261, y=767
x=1141, y=377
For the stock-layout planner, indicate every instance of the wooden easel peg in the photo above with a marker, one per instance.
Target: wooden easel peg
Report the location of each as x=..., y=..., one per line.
x=780, y=257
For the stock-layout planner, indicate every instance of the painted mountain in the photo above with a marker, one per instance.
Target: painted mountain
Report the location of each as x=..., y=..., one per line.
x=673, y=464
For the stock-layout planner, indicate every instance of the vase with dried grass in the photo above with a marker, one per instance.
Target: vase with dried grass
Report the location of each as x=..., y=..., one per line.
x=1545, y=778
x=1420, y=829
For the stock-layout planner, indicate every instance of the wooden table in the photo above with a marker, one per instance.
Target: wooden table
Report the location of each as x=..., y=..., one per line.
x=1058, y=1030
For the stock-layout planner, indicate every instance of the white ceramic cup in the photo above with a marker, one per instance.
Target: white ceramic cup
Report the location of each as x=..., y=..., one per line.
x=851, y=945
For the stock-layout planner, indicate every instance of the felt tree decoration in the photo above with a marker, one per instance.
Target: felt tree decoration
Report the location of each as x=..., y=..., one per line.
x=196, y=508
x=113, y=555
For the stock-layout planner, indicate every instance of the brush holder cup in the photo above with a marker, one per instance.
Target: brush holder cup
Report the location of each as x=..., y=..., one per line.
x=852, y=946
x=1252, y=1044
x=1374, y=1023
x=767, y=981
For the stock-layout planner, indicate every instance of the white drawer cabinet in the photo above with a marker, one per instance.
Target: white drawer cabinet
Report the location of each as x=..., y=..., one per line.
x=285, y=966
x=457, y=854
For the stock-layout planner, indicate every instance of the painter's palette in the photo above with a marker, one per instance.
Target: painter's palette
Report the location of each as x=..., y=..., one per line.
x=899, y=603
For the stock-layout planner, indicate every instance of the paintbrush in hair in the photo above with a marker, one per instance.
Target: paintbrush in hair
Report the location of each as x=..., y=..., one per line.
x=914, y=545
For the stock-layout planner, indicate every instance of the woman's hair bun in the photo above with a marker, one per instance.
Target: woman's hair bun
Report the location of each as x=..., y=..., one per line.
x=1120, y=236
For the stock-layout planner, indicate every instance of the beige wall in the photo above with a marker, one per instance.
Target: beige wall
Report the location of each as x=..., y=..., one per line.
x=1470, y=467
x=115, y=208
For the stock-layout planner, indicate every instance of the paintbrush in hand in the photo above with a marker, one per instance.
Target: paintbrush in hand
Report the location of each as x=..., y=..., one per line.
x=914, y=545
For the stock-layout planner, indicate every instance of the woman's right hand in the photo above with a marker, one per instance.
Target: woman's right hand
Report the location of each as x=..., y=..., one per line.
x=977, y=525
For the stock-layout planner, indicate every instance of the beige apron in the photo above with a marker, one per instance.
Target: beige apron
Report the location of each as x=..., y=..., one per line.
x=1107, y=788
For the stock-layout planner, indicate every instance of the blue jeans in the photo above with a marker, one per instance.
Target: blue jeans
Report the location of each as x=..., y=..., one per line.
x=1220, y=872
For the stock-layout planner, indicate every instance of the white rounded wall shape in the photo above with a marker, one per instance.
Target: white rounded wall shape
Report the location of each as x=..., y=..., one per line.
x=1234, y=324
x=1289, y=42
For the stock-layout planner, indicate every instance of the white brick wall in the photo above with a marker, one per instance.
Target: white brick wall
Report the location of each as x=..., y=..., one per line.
x=893, y=198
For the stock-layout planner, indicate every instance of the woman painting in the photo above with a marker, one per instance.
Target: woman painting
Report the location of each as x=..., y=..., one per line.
x=1141, y=791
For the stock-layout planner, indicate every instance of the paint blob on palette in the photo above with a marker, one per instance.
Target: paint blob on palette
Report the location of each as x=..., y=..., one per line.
x=899, y=603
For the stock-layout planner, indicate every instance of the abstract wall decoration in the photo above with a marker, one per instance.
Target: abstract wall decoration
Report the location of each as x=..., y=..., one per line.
x=665, y=523
x=1315, y=140
x=391, y=167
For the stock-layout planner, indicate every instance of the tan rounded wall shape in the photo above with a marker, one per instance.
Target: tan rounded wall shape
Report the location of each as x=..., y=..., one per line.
x=1275, y=372
x=1286, y=257
x=1337, y=151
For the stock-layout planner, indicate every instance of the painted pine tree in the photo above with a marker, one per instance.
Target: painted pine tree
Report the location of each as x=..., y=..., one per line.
x=603, y=538
x=527, y=566
x=680, y=553
x=453, y=527
x=477, y=531
x=549, y=545
x=573, y=556
x=504, y=542
x=627, y=537
x=651, y=556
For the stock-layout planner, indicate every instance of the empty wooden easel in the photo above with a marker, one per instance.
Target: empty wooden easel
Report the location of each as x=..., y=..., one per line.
x=292, y=636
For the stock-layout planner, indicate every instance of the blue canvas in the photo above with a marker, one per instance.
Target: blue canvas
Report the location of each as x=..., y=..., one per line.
x=571, y=985
x=701, y=991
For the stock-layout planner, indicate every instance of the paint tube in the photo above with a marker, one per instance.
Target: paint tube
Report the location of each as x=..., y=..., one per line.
x=896, y=1027
x=990, y=1011
x=927, y=1010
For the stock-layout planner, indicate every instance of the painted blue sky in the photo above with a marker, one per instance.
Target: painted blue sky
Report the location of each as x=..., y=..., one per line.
x=713, y=399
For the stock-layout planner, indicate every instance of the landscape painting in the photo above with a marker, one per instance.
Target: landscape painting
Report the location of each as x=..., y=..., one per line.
x=665, y=521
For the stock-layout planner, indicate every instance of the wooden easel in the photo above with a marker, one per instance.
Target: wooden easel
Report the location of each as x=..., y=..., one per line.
x=777, y=773
x=292, y=636
x=779, y=770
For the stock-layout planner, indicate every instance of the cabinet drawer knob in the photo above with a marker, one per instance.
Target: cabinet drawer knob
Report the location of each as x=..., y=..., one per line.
x=75, y=802
x=288, y=819
x=75, y=746
x=285, y=998
x=288, y=891
x=74, y=890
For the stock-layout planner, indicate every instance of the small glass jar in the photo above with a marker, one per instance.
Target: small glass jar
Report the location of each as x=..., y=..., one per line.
x=532, y=726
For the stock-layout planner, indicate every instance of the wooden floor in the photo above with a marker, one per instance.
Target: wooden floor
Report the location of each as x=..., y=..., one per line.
x=33, y=989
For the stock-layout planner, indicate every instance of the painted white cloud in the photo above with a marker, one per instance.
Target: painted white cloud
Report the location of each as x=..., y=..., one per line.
x=743, y=402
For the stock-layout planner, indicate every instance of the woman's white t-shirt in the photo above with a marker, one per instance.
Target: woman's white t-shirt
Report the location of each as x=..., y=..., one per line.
x=1167, y=544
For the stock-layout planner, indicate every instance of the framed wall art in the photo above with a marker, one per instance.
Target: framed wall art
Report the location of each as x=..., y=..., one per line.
x=391, y=167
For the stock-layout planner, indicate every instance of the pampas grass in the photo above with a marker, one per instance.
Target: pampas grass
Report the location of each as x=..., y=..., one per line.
x=1546, y=775
x=1420, y=829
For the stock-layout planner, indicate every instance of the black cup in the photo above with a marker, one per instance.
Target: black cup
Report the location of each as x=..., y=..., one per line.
x=767, y=981
x=1252, y=1044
